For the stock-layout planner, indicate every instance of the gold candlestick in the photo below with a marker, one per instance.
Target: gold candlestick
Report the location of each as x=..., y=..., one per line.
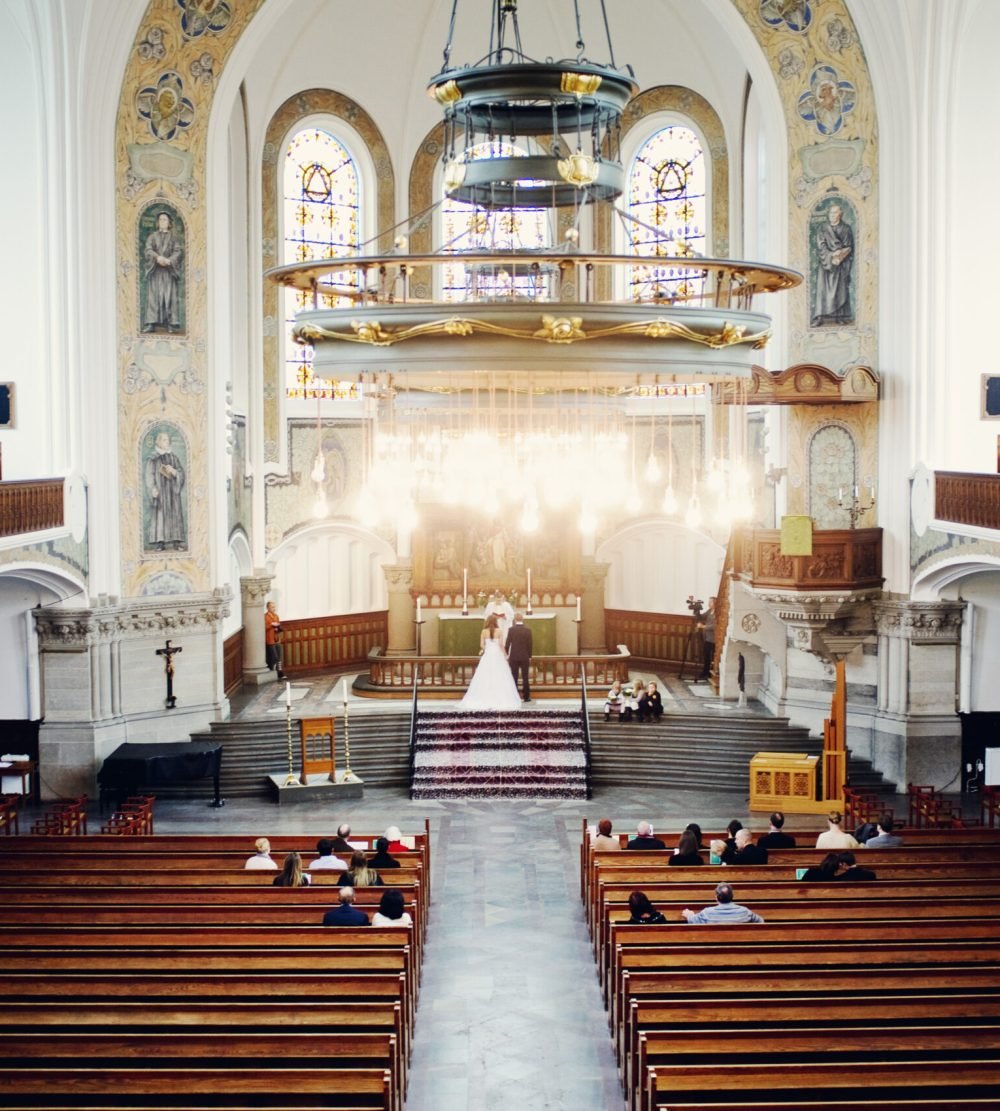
x=348, y=776
x=291, y=780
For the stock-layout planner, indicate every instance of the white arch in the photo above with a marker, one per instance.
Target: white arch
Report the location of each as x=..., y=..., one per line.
x=334, y=567
x=656, y=563
x=240, y=566
x=928, y=584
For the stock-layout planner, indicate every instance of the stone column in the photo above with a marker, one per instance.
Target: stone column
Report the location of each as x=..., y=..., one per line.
x=399, y=579
x=254, y=590
x=917, y=735
x=592, y=630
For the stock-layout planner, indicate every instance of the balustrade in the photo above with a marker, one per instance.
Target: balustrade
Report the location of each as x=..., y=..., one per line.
x=31, y=505
x=967, y=499
x=321, y=643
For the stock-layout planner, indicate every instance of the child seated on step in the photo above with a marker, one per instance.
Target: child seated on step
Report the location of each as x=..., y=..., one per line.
x=615, y=702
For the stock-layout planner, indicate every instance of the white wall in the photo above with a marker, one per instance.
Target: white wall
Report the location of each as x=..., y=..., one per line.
x=982, y=660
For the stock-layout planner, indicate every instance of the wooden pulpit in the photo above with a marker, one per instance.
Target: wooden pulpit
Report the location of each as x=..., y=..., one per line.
x=318, y=750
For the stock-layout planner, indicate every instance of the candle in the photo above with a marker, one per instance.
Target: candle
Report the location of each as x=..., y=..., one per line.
x=418, y=609
x=288, y=694
x=465, y=589
x=871, y=492
x=344, y=689
x=840, y=495
x=529, y=586
x=578, y=609
x=855, y=491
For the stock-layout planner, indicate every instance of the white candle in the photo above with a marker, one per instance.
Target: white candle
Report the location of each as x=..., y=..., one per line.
x=871, y=492
x=840, y=495
x=465, y=586
x=344, y=690
x=288, y=694
x=578, y=609
x=855, y=491
x=529, y=586
x=418, y=609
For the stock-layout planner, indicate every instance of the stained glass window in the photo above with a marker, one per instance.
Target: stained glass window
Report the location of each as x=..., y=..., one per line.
x=321, y=199
x=667, y=198
x=467, y=227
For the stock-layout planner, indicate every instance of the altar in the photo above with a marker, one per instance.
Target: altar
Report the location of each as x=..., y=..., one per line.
x=458, y=635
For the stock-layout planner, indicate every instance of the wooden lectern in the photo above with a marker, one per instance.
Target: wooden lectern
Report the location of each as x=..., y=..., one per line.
x=318, y=750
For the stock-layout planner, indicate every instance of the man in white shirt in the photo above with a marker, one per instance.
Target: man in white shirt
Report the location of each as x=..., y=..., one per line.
x=326, y=859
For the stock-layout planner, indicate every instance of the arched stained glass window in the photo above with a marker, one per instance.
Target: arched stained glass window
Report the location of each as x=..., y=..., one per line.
x=467, y=227
x=320, y=219
x=667, y=200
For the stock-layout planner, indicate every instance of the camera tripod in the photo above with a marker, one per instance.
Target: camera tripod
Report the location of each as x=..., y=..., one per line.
x=694, y=645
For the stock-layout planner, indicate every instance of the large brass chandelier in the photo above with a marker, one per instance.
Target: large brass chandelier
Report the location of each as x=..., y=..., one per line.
x=543, y=136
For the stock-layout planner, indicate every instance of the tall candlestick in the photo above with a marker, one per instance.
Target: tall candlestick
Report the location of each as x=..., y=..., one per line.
x=578, y=617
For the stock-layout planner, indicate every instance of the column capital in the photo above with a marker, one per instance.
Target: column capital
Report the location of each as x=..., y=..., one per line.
x=254, y=589
x=919, y=622
x=398, y=577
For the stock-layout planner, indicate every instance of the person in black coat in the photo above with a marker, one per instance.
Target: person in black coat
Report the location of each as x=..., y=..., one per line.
x=850, y=871
x=686, y=854
x=825, y=871
x=644, y=838
x=345, y=914
x=776, y=838
x=643, y=911
x=650, y=704
x=744, y=851
x=382, y=860
x=518, y=647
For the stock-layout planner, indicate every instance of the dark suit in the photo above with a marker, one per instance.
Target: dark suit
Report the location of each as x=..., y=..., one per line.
x=645, y=843
x=749, y=854
x=345, y=915
x=779, y=840
x=519, y=656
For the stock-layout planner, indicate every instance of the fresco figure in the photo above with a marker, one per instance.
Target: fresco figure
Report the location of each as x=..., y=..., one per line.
x=164, y=481
x=835, y=258
x=162, y=267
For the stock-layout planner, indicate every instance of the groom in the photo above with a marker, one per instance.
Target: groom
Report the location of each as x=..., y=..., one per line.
x=519, y=653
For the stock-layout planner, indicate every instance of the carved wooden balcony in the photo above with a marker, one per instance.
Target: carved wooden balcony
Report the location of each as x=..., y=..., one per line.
x=842, y=560
x=32, y=505
x=964, y=498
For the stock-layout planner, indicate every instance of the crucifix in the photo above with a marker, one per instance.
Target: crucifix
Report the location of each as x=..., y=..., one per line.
x=168, y=663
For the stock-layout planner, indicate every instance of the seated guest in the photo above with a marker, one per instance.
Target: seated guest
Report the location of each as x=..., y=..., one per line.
x=345, y=914
x=292, y=874
x=776, y=838
x=261, y=861
x=635, y=692
x=603, y=840
x=825, y=871
x=390, y=910
x=724, y=912
x=716, y=850
x=686, y=854
x=340, y=842
x=326, y=859
x=884, y=837
x=834, y=837
x=359, y=874
x=382, y=859
x=643, y=911
x=395, y=839
x=733, y=828
x=693, y=827
x=850, y=871
x=744, y=851
x=650, y=703
x=615, y=702
x=644, y=838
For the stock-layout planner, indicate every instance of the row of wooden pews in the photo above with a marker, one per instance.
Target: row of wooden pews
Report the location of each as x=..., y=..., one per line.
x=884, y=993
x=143, y=972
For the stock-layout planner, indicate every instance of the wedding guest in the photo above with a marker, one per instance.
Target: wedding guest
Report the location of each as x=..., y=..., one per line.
x=776, y=838
x=650, y=703
x=382, y=859
x=733, y=828
x=833, y=837
x=725, y=911
x=340, y=842
x=884, y=837
x=359, y=874
x=686, y=854
x=395, y=839
x=326, y=859
x=694, y=828
x=851, y=871
x=644, y=838
x=603, y=840
x=390, y=910
x=825, y=871
x=615, y=702
x=292, y=874
x=635, y=692
x=345, y=914
x=744, y=851
x=716, y=850
x=643, y=911
x=261, y=861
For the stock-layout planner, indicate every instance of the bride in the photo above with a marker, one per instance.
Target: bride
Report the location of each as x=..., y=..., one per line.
x=492, y=686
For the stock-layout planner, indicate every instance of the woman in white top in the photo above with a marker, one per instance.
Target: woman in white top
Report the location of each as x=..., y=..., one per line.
x=834, y=837
x=261, y=861
x=390, y=910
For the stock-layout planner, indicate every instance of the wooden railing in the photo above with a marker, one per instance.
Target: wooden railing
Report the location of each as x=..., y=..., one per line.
x=842, y=559
x=32, y=505
x=967, y=499
x=320, y=643
x=232, y=662
x=448, y=674
x=651, y=636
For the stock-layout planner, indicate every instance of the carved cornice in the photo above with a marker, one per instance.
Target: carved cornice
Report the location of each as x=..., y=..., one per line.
x=829, y=625
x=254, y=589
x=803, y=384
x=923, y=622
x=594, y=574
x=398, y=577
x=75, y=630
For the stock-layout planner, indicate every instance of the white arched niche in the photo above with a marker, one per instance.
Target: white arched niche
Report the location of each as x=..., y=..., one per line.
x=240, y=566
x=330, y=569
x=655, y=564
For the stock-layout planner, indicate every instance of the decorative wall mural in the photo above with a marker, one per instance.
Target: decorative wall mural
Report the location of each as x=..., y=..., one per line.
x=827, y=100
x=787, y=15
x=161, y=270
x=833, y=471
x=831, y=262
x=164, y=106
x=200, y=16
x=164, y=462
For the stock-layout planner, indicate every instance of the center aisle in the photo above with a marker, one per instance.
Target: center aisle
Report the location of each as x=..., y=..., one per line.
x=510, y=1014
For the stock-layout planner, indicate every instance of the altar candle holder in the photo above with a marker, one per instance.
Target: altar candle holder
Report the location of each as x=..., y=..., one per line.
x=348, y=774
x=855, y=508
x=291, y=780
x=418, y=623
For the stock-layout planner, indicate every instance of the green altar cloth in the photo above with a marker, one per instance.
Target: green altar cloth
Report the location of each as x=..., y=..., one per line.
x=459, y=636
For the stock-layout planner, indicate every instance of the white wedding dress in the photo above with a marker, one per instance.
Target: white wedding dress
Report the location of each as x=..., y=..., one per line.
x=492, y=686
